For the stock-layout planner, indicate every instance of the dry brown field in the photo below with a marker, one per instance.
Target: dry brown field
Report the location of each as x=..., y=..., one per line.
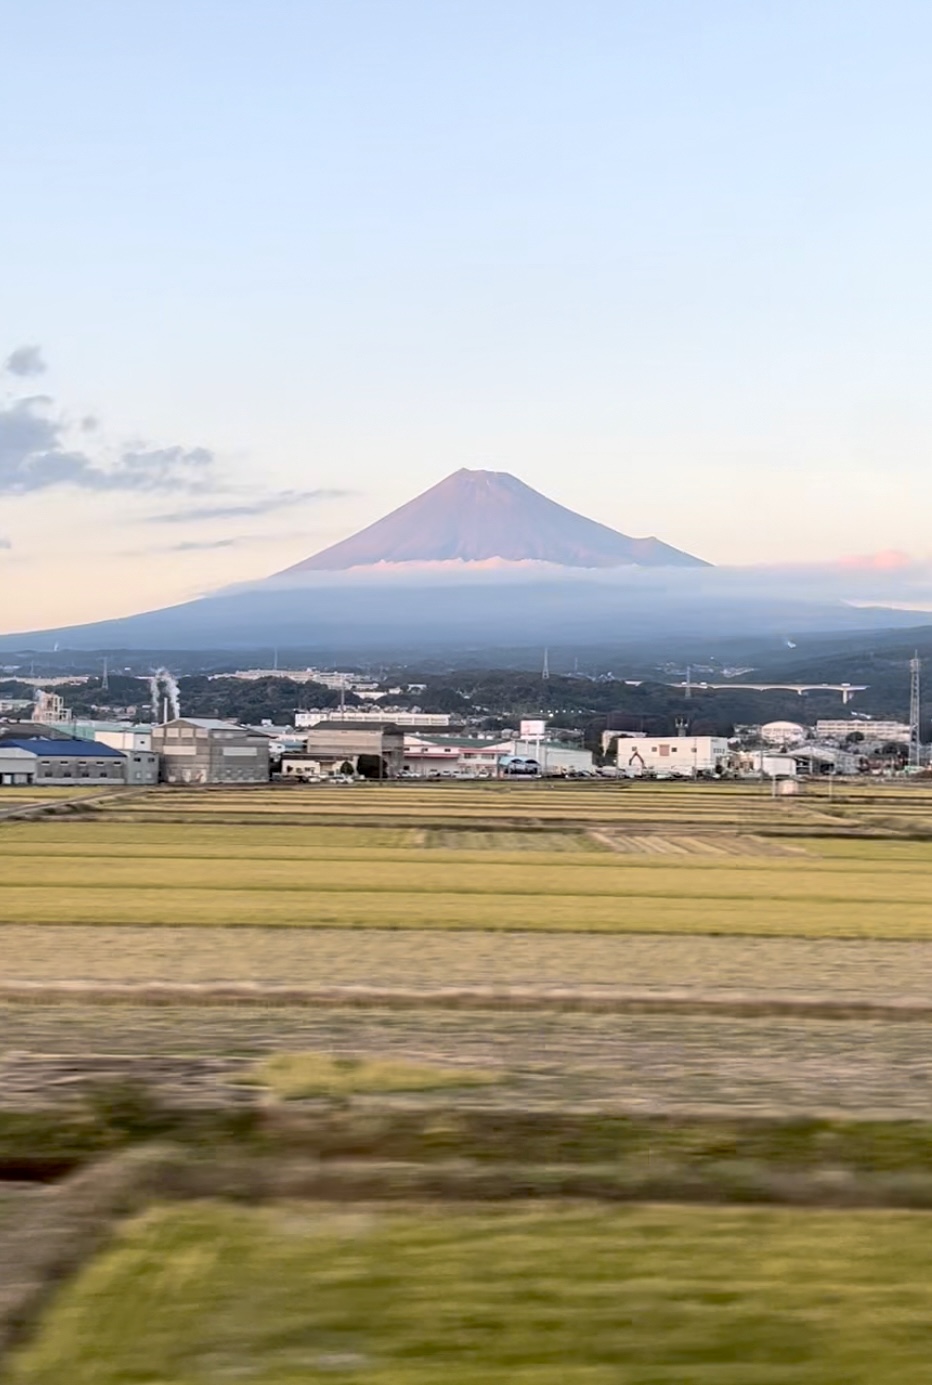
x=636, y=1063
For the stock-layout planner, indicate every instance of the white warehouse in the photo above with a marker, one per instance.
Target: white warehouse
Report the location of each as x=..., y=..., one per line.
x=683, y=757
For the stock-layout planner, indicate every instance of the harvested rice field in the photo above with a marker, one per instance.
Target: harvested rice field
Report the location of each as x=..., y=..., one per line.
x=519, y=804
x=413, y=959
x=727, y=894
x=529, y=1294
x=729, y=996
x=104, y=872
x=551, y=1061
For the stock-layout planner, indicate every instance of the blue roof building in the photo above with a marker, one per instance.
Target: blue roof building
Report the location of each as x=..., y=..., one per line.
x=39, y=745
x=71, y=761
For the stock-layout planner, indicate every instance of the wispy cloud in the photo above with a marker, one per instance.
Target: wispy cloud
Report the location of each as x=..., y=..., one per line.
x=35, y=456
x=25, y=361
x=42, y=450
x=230, y=541
x=256, y=505
x=5, y=544
x=201, y=545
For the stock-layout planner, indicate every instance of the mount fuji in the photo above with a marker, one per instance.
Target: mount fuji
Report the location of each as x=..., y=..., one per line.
x=479, y=561
x=480, y=516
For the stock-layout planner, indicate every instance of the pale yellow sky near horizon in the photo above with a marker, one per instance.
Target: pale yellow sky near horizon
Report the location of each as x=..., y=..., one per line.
x=666, y=262
x=69, y=567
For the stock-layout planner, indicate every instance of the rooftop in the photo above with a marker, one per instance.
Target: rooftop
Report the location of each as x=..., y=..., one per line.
x=47, y=748
x=204, y=723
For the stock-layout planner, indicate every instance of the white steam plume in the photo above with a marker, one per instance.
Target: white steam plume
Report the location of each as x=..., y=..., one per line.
x=162, y=683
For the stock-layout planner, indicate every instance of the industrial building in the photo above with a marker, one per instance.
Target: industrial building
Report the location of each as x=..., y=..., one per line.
x=17, y=766
x=375, y=751
x=134, y=742
x=142, y=763
x=473, y=758
x=49, y=708
x=783, y=733
x=554, y=757
x=425, y=756
x=766, y=764
x=64, y=761
x=201, y=750
x=681, y=757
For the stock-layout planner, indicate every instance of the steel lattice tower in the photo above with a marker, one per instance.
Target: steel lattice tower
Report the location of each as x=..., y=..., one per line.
x=915, y=706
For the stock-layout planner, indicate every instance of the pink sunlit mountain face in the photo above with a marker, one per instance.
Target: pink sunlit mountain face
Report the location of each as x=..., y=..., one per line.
x=481, y=516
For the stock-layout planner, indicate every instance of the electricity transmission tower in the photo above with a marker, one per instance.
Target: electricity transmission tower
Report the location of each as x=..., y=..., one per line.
x=915, y=706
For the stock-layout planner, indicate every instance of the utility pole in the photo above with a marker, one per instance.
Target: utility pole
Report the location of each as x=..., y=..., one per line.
x=915, y=708
x=105, y=680
x=545, y=671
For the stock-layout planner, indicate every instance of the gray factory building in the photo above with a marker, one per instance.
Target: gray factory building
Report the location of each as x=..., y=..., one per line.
x=375, y=751
x=200, y=750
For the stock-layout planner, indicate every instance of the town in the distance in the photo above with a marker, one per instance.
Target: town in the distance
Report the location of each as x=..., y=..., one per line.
x=489, y=566
x=342, y=726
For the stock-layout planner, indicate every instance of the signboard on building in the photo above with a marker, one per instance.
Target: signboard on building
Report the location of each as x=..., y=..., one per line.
x=533, y=730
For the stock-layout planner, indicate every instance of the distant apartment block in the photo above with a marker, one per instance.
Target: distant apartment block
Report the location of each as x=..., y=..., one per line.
x=837, y=730
x=362, y=716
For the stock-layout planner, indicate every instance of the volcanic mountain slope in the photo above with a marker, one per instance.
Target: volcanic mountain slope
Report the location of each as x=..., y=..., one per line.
x=477, y=516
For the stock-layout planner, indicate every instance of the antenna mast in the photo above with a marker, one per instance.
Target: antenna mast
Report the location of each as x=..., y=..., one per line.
x=915, y=704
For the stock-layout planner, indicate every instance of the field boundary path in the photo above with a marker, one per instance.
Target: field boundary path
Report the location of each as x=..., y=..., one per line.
x=504, y=999
x=34, y=808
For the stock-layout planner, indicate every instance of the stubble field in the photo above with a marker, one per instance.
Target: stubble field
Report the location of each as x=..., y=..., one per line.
x=717, y=893
x=700, y=861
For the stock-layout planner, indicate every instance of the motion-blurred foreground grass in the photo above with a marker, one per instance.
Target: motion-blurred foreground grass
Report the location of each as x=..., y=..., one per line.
x=645, y=1296
x=294, y=1075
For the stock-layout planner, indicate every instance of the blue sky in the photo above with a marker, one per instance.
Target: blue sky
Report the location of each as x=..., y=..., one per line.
x=666, y=261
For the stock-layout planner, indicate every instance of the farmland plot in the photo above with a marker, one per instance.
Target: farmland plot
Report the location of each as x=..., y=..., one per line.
x=412, y=959
x=537, y=1295
x=114, y=872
